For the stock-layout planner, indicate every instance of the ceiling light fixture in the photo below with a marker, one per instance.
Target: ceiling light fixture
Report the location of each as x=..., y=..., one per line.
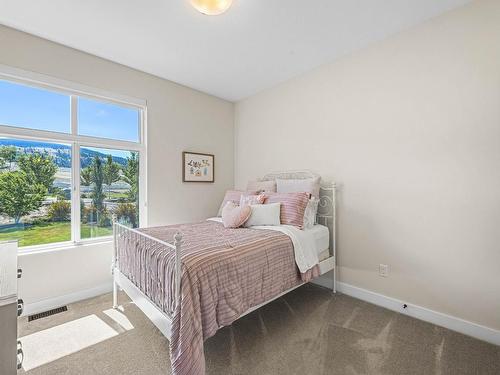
x=211, y=7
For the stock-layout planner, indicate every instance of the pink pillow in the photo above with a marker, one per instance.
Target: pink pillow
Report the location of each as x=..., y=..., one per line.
x=252, y=199
x=234, y=216
x=293, y=206
x=233, y=196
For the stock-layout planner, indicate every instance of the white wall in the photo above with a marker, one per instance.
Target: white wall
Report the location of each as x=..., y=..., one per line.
x=179, y=119
x=410, y=130
x=57, y=277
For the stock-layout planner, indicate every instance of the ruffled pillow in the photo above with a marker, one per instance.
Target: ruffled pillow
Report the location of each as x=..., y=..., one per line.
x=310, y=213
x=233, y=196
x=252, y=199
x=234, y=216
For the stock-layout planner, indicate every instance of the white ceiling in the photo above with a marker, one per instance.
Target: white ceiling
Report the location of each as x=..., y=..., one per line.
x=255, y=45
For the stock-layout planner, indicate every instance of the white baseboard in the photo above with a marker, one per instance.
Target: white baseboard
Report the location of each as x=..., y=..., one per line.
x=51, y=303
x=447, y=321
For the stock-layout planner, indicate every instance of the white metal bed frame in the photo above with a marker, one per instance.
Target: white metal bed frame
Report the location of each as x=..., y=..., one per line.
x=163, y=320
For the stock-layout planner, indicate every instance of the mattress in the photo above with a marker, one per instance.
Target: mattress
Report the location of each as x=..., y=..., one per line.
x=321, y=236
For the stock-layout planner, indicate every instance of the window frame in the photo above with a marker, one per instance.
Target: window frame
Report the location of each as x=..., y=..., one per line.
x=74, y=90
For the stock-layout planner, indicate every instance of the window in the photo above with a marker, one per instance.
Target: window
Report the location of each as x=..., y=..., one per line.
x=33, y=108
x=35, y=191
x=104, y=120
x=69, y=176
x=109, y=186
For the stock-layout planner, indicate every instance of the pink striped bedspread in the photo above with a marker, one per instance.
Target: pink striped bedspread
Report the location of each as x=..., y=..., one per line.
x=225, y=273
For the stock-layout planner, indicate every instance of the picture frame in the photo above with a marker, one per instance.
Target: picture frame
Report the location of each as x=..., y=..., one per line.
x=198, y=167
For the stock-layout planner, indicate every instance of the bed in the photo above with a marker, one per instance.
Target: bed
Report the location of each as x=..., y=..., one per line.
x=192, y=279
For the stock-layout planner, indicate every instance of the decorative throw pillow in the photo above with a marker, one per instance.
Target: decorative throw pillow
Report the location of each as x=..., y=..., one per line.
x=310, y=213
x=252, y=199
x=309, y=185
x=293, y=206
x=233, y=196
x=262, y=186
x=234, y=216
x=264, y=214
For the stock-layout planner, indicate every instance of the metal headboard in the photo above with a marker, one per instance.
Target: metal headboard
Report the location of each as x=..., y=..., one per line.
x=327, y=207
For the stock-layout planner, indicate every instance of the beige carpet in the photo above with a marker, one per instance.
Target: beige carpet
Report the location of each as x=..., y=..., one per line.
x=309, y=331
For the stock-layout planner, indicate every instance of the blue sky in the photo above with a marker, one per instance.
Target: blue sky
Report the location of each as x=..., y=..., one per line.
x=99, y=119
x=33, y=108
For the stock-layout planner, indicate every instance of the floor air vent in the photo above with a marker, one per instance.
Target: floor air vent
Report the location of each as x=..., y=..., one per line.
x=47, y=313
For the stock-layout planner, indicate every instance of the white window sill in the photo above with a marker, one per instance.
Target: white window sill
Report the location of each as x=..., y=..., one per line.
x=62, y=246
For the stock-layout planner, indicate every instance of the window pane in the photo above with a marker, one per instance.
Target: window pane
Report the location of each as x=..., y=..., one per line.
x=109, y=185
x=28, y=107
x=35, y=192
x=105, y=120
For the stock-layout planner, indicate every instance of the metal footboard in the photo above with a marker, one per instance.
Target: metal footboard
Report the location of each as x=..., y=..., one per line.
x=121, y=231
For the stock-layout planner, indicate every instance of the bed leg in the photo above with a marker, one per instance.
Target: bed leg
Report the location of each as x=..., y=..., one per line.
x=114, y=263
x=334, y=237
x=334, y=283
x=115, y=293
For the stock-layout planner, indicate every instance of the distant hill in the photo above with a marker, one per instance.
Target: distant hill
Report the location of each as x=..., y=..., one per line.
x=60, y=153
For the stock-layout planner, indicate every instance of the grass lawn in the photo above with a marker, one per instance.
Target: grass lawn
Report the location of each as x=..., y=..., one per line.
x=116, y=195
x=91, y=232
x=50, y=233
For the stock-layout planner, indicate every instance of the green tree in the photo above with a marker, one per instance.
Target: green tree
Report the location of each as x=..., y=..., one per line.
x=131, y=176
x=86, y=176
x=98, y=179
x=111, y=172
x=60, y=211
x=18, y=195
x=127, y=213
x=8, y=154
x=39, y=168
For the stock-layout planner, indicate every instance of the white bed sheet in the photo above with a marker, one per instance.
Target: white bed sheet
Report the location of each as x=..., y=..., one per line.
x=321, y=236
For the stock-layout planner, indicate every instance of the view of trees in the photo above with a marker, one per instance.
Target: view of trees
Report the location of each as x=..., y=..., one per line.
x=18, y=196
x=32, y=200
x=23, y=190
x=131, y=177
x=100, y=176
x=8, y=155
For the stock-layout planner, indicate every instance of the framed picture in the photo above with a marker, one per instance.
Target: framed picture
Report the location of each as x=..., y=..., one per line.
x=197, y=167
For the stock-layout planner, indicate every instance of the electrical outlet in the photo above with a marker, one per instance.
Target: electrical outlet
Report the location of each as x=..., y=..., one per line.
x=383, y=270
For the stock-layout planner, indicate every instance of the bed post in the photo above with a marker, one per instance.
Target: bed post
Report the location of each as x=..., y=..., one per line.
x=334, y=234
x=113, y=264
x=178, y=267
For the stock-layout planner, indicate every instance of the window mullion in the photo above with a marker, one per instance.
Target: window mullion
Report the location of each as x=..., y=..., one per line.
x=143, y=202
x=75, y=197
x=74, y=114
x=75, y=180
x=47, y=136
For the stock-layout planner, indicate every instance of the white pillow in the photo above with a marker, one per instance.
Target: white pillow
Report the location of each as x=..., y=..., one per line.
x=309, y=185
x=262, y=186
x=264, y=214
x=310, y=213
